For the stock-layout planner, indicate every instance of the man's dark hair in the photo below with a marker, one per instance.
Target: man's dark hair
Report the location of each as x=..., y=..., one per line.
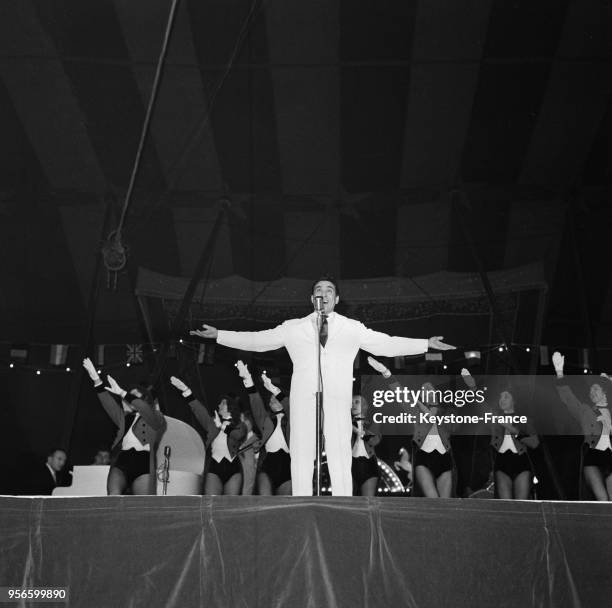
x=52, y=451
x=329, y=279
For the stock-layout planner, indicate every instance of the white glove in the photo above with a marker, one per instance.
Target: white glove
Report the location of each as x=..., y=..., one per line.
x=268, y=384
x=379, y=367
x=218, y=423
x=467, y=378
x=180, y=385
x=558, y=362
x=114, y=387
x=244, y=373
x=91, y=370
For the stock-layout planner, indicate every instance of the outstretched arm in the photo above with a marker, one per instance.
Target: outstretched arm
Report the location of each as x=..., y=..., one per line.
x=258, y=341
x=383, y=345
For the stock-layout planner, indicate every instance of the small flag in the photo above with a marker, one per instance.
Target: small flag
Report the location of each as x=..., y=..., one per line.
x=19, y=353
x=472, y=354
x=585, y=358
x=59, y=353
x=201, y=352
x=134, y=354
x=100, y=355
x=433, y=356
x=544, y=359
x=400, y=362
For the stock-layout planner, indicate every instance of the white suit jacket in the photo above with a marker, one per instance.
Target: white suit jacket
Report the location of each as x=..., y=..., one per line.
x=345, y=338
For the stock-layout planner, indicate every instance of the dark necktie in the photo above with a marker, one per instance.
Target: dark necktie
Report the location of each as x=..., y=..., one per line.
x=323, y=332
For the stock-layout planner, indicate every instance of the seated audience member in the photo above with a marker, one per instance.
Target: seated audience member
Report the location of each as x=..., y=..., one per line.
x=45, y=477
x=102, y=457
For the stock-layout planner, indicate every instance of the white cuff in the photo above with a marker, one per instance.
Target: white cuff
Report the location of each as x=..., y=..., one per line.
x=248, y=382
x=186, y=393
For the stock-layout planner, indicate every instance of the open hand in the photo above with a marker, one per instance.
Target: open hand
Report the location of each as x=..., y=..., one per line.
x=91, y=370
x=243, y=370
x=114, y=387
x=468, y=378
x=437, y=344
x=558, y=361
x=207, y=331
x=179, y=384
x=268, y=385
x=378, y=366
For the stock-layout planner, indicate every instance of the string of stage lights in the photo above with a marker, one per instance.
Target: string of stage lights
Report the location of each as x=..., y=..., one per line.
x=18, y=357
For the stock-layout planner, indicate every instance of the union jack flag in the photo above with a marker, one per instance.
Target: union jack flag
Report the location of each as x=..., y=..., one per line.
x=134, y=354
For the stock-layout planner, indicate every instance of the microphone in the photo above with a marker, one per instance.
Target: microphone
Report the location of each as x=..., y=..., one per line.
x=167, y=451
x=318, y=302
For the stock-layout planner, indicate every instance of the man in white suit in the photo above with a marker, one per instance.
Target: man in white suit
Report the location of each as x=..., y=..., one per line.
x=301, y=339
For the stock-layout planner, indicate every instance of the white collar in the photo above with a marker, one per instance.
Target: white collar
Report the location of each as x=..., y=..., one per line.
x=330, y=317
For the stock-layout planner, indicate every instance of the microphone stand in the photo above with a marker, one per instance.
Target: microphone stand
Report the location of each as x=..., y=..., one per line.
x=318, y=402
x=166, y=470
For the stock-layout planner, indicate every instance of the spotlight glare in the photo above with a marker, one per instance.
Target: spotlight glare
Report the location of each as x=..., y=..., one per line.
x=38, y=372
x=67, y=369
x=11, y=365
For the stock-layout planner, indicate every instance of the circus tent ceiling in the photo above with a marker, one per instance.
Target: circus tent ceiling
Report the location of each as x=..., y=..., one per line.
x=367, y=139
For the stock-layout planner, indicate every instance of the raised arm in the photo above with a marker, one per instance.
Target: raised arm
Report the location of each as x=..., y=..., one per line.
x=154, y=418
x=573, y=404
x=110, y=405
x=257, y=341
x=255, y=401
x=276, y=392
x=197, y=407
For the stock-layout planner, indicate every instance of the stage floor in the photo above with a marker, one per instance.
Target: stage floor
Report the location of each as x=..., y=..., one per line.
x=260, y=552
